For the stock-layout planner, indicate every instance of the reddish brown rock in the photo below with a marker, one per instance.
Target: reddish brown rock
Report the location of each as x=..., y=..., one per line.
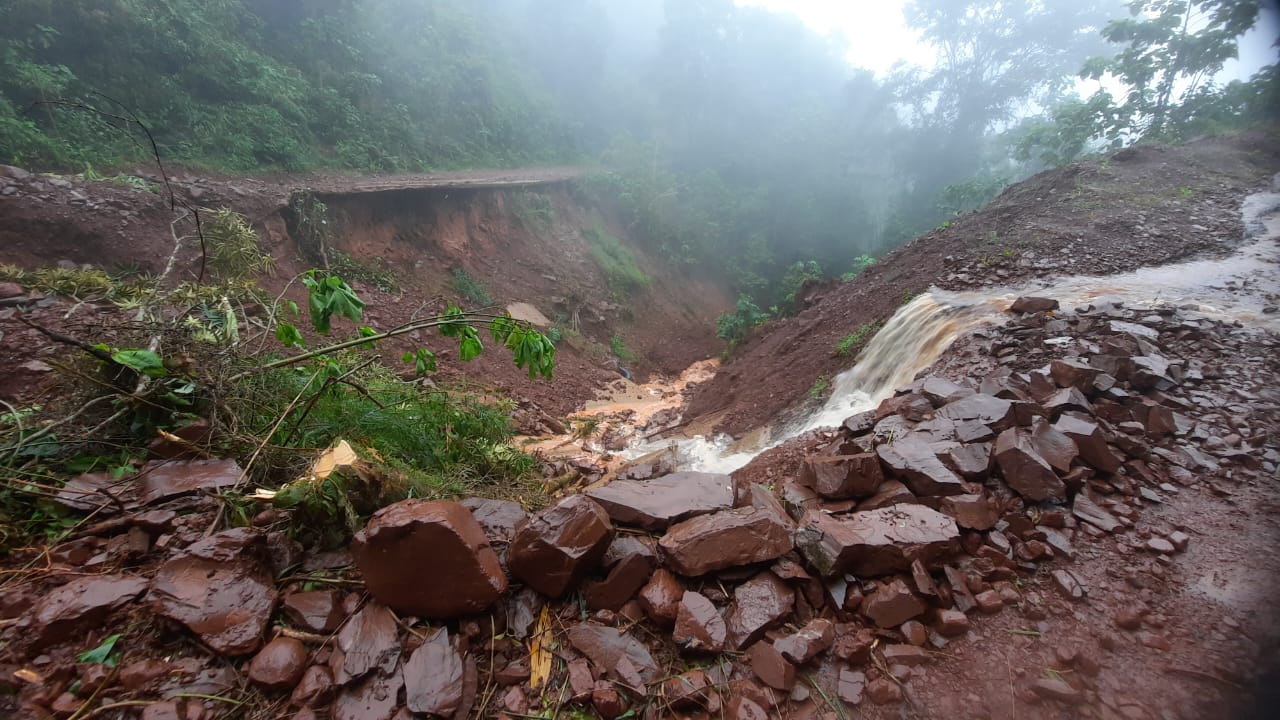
x=606, y=647
x=884, y=691
x=437, y=541
x=892, y=604
x=630, y=561
x=914, y=632
x=842, y=476
x=699, y=626
x=758, y=604
x=373, y=698
x=279, y=665
x=1085, y=509
x=656, y=504
x=989, y=601
x=726, y=539
x=771, y=667
x=972, y=461
x=688, y=691
x=556, y=548
x=994, y=412
x=1024, y=470
x=139, y=674
x=660, y=598
x=1090, y=442
x=972, y=512
x=876, y=542
x=80, y=604
x=315, y=689
x=318, y=611
x=368, y=640
x=952, y=623
x=1180, y=540
x=890, y=493
x=941, y=391
x=607, y=701
x=1068, y=585
x=912, y=460
x=1073, y=372
x=739, y=707
x=498, y=518
x=222, y=588
x=581, y=681
x=433, y=676
x=908, y=655
x=160, y=479
x=805, y=644
x=516, y=701
x=1055, y=447
x=1055, y=689
x=1029, y=304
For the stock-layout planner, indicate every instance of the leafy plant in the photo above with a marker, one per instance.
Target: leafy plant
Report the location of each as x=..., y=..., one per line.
x=330, y=295
x=820, y=389
x=737, y=326
x=103, y=654
x=233, y=246
x=470, y=288
x=800, y=273
x=849, y=344
x=619, y=349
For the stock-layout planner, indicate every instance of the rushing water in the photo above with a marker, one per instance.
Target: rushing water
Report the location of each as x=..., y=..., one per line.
x=1235, y=288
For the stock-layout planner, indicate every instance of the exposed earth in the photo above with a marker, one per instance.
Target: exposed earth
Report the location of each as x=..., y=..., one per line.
x=1070, y=514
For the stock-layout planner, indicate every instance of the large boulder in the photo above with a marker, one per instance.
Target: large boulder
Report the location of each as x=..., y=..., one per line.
x=555, y=549
x=758, y=604
x=656, y=504
x=726, y=539
x=913, y=461
x=838, y=477
x=876, y=542
x=1024, y=470
x=428, y=559
x=1090, y=441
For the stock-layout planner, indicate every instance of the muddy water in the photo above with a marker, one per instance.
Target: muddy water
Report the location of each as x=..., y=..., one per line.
x=1237, y=288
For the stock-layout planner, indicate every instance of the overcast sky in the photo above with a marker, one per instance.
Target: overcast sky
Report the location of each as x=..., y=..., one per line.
x=878, y=37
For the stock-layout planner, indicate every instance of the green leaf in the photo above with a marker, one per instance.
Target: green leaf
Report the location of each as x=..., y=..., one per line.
x=470, y=347
x=102, y=653
x=144, y=361
x=424, y=361
x=289, y=335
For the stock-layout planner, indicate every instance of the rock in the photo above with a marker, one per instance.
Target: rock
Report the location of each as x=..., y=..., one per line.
x=1024, y=470
x=699, y=626
x=515, y=700
x=160, y=479
x=994, y=412
x=806, y=643
x=758, y=604
x=1085, y=509
x=606, y=646
x=908, y=655
x=884, y=691
x=439, y=541
x=972, y=461
x=725, y=539
x=498, y=518
x=368, y=641
x=1160, y=546
x=771, y=667
x=656, y=504
x=1070, y=372
x=1055, y=447
x=191, y=438
x=141, y=673
x=989, y=601
x=850, y=684
x=1150, y=372
x=914, y=632
x=1029, y=304
x=952, y=623
x=890, y=493
x=222, y=588
x=315, y=689
x=941, y=391
x=738, y=707
x=83, y=603
x=912, y=460
x=660, y=598
x=557, y=547
x=892, y=604
x=631, y=562
x=876, y=542
x=1180, y=540
x=842, y=476
x=607, y=701
x=433, y=676
x=1067, y=399
x=279, y=665
x=972, y=512
x=688, y=691
x=1055, y=689
x=1090, y=442
x=1070, y=587
x=318, y=611
x=581, y=681
x=373, y=698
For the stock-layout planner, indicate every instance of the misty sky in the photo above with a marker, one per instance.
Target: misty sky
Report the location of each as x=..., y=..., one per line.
x=878, y=37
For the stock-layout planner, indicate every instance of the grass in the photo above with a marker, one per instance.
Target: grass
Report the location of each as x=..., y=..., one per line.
x=468, y=287
x=233, y=246
x=375, y=272
x=820, y=389
x=620, y=350
x=848, y=345
x=621, y=272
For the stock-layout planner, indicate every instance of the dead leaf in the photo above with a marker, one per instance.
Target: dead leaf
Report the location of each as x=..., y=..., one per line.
x=540, y=650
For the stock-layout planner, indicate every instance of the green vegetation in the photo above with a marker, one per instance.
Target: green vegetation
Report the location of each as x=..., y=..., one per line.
x=849, y=345
x=233, y=247
x=820, y=389
x=619, y=349
x=860, y=263
x=798, y=275
x=470, y=288
x=737, y=326
x=617, y=262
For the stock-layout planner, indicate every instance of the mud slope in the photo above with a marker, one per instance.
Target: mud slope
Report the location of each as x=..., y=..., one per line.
x=524, y=236
x=1141, y=206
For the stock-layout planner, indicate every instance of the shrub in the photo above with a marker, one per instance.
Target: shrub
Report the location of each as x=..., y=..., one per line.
x=737, y=326
x=853, y=342
x=619, y=265
x=470, y=288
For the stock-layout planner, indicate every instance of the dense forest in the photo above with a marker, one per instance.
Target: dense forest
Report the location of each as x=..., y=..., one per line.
x=732, y=138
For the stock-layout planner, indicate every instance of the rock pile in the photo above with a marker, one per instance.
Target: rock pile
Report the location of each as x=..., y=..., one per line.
x=890, y=536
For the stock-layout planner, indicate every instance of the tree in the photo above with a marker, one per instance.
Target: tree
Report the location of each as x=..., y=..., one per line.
x=1172, y=49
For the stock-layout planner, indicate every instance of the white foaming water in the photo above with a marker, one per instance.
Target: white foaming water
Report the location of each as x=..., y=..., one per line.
x=1234, y=288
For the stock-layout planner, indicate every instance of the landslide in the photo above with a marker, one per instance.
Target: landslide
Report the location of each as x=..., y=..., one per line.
x=519, y=236
x=1145, y=205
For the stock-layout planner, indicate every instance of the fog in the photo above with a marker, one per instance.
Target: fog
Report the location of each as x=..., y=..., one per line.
x=735, y=138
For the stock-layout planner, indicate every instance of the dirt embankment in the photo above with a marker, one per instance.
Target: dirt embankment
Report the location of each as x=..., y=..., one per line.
x=1141, y=206
x=521, y=236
